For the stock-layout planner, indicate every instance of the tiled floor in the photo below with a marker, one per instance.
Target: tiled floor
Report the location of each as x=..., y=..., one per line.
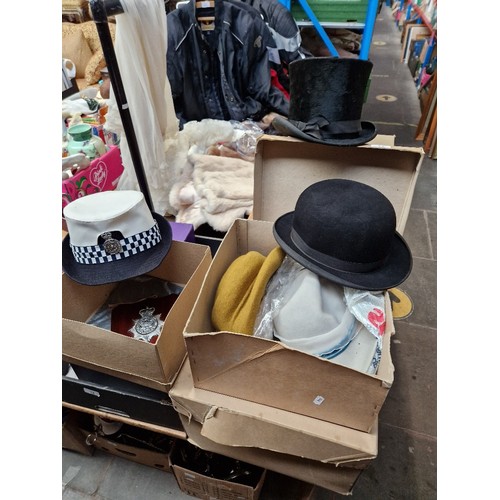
x=406, y=465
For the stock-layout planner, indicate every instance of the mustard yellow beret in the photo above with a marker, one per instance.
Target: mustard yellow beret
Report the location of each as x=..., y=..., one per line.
x=241, y=289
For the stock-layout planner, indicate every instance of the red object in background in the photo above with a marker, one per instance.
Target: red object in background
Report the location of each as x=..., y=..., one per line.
x=276, y=83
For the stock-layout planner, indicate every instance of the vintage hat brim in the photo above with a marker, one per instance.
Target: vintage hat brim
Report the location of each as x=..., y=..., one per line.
x=111, y=272
x=395, y=270
x=285, y=127
x=360, y=353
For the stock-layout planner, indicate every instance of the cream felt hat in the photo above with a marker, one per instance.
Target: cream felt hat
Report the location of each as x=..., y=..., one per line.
x=315, y=319
x=362, y=353
x=112, y=236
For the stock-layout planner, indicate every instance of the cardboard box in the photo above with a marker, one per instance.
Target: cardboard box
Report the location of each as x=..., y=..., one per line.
x=329, y=476
x=289, y=488
x=284, y=167
x=268, y=372
x=133, y=443
x=235, y=422
x=215, y=485
x=151, y=365
x=72, y=437
x=143, y=456
x=102, y=392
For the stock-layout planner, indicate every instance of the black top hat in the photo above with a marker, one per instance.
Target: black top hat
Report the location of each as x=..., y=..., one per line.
x=113, y=236
x=345, y=231
x=326, y=101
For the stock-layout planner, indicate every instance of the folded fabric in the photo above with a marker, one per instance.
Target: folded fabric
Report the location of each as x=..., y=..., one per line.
x=222, y=182
x=241, y=288
x=217, y=191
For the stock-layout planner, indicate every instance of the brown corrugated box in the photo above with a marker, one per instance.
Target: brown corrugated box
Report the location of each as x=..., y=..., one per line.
x=329, y=476
x=151, y=365
x=268, y=372
x=236, y=422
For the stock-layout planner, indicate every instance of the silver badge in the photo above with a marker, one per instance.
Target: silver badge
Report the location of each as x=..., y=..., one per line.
x=148, y=325
x=111, y=245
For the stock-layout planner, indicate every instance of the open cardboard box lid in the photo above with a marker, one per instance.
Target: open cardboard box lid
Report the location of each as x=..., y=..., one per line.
x=326, y=475
x=235, y=422
x=284, y=167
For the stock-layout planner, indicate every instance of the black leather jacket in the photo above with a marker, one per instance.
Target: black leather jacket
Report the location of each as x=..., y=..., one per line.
x=283, y=28
x=222, y=74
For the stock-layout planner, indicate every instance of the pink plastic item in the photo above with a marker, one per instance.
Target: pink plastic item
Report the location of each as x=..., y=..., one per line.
x=102, y=174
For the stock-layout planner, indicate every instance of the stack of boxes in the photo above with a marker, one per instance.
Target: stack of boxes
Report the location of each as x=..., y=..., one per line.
x=248, y=398
x=258, y=396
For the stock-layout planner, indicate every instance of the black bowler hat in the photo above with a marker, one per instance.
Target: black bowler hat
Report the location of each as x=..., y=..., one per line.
x=113, y=236
x=326, y=101
x=345, y=231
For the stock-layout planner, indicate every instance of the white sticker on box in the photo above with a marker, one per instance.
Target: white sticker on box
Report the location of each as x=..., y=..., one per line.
x=318, y=400
x=90, y=391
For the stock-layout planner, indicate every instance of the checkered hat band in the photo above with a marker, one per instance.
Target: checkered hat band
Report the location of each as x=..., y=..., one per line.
x=112, y=250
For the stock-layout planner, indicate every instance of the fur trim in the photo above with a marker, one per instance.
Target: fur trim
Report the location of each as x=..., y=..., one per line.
x=208, y=188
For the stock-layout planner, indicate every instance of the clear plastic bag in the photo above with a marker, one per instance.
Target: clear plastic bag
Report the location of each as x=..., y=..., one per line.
x=273, y=299
x=369, y=309
x=246, y=135
x=359, y=329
